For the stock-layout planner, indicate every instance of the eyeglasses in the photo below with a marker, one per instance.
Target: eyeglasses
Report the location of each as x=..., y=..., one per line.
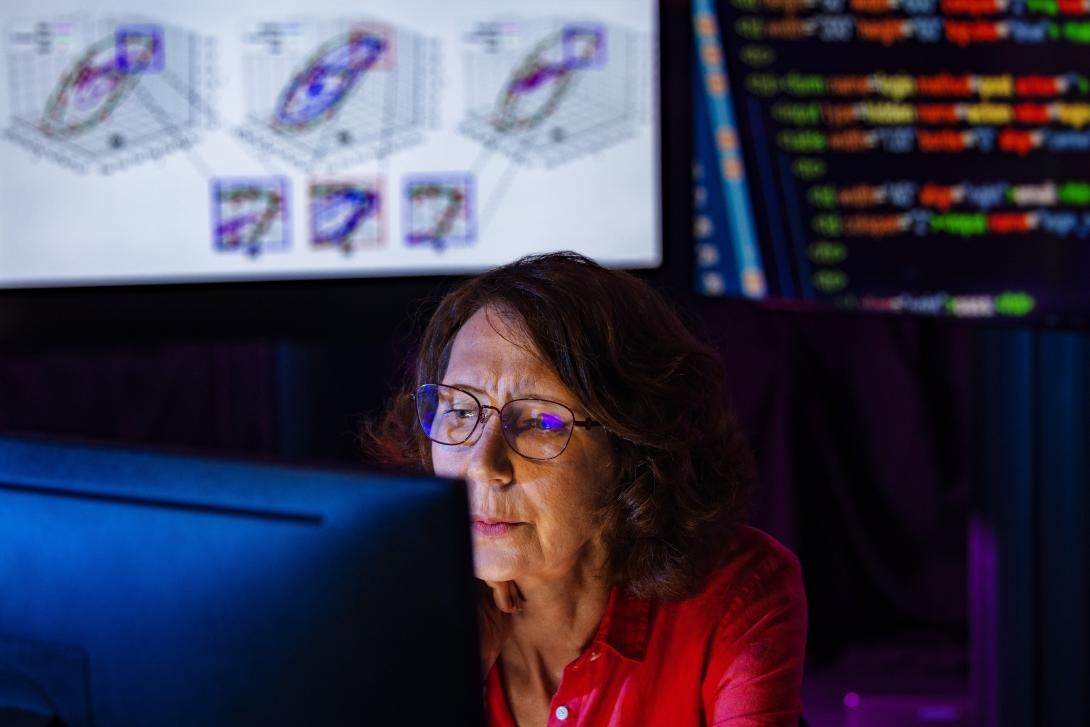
x=535, y=428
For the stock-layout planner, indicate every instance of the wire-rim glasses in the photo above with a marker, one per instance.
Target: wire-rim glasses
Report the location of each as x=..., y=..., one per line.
x=537, y=429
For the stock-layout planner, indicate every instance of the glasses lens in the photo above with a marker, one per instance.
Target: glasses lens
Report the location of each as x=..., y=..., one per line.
x=537, y=429
x=446, y=415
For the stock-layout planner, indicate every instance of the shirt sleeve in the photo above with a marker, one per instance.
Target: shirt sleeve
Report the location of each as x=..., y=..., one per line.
x=754, y=674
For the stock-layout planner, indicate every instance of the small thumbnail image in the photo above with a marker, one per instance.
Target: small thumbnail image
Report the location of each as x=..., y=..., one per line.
x=584, y=45
x=139, y=49
x=439, y=210
x=250, y=214
x=346, y=214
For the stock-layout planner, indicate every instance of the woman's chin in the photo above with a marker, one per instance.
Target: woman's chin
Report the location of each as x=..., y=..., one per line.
x=494, y=567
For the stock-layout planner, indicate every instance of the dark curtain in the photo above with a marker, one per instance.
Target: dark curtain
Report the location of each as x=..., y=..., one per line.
x=860, y=427
x=201, y=395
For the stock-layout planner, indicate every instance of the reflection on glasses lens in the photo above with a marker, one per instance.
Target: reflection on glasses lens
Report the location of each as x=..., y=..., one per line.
x=537, y=429
x=446, y=414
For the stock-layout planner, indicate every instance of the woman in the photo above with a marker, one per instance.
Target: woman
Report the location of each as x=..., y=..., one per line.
x=607, y=485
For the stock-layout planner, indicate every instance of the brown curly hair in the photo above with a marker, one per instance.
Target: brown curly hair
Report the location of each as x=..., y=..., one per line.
x=685, y=471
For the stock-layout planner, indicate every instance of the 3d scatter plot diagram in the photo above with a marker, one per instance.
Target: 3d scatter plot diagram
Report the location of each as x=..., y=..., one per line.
x=346, y=214
x=105, y=94
x=332, y=94
x=439, y=210
x=546, y=92
x=251, y=215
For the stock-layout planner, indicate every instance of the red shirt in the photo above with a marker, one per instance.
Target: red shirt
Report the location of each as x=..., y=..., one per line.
x=730, y=655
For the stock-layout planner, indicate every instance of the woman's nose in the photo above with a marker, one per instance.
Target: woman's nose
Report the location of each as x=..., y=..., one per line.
x=486, y=414
x=490, y=460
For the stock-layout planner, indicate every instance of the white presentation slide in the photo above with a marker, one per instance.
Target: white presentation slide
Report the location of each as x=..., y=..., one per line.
x=215, y=140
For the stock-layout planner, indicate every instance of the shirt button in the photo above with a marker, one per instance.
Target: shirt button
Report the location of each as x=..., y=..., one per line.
x=594, y=655
x=561, y=713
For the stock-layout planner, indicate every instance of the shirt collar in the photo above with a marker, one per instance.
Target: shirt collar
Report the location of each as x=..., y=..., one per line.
x=624, y=627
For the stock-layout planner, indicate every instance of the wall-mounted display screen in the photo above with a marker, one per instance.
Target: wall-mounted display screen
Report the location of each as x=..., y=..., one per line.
x=210, y=141
x=921, y=156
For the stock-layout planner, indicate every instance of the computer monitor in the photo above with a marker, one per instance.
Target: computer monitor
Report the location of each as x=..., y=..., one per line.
x=215, y=142
x=152, y=589
x=887, y=157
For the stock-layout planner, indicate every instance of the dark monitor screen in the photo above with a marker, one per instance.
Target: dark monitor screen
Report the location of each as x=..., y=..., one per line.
x=922, y=156
x=150, y=589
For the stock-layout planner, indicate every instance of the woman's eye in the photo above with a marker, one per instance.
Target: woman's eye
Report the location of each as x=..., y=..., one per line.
x=459, y=413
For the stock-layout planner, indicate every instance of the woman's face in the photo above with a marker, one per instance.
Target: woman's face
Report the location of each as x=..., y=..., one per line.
x=549, y=501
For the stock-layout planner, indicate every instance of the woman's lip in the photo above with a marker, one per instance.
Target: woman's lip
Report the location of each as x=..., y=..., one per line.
x=491, y=520
x=493, y=529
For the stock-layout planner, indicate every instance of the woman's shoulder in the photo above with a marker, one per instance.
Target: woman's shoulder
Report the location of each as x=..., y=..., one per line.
x=756, y=570
x=742, y=637
x=758, y=641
